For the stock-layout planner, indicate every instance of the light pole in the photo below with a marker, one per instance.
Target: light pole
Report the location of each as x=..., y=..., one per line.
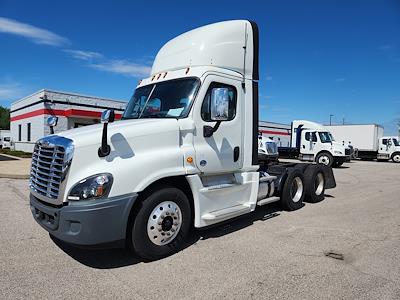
x=330, y=119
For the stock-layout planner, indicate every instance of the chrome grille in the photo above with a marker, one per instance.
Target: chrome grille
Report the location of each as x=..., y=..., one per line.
x=47, y=169
x=271, y=148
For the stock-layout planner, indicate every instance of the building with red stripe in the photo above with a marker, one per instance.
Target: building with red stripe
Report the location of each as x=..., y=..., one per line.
x=29, y=114
x=278, y=132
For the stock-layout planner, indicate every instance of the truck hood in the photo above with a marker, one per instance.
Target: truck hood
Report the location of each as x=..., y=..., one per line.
x=126, y=129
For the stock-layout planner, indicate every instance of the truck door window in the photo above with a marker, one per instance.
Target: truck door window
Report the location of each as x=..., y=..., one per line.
x=384, y=141
x=311, y=135
x=206, y=109
x=396, y=142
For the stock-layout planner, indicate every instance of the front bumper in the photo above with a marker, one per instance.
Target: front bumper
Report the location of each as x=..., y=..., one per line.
x=86, y=222
x=342, y=159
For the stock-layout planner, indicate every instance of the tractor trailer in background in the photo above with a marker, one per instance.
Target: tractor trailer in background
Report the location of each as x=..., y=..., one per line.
x=310, y=141
x=185, y=153
x=368, y=141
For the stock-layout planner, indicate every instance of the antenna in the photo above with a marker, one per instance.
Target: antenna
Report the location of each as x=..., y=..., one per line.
x=244, y=55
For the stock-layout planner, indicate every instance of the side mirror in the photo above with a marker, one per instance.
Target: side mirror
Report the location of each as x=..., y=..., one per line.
x=51, y=122
x=219, y=104
x=108, y=116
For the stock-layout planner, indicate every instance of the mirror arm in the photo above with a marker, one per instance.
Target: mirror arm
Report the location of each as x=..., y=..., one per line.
x=208, y=131
x=104, y=149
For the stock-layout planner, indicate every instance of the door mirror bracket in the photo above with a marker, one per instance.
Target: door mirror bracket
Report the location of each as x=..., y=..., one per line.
x=208, y=131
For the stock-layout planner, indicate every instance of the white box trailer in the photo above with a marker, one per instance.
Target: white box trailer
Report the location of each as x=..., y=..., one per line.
x=364, y=137
x=368, y=141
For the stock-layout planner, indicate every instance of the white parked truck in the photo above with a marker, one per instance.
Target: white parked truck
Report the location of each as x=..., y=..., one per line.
x=368, y=141
x=311, y=141
x=5, y=139
x=185, y=153
x=267, y=150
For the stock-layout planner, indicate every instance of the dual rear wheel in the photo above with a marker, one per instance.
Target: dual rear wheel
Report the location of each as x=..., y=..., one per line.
x=303, y=183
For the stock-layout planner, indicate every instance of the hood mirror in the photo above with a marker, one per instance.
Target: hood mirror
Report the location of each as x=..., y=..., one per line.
x=51, y=122
x=107, y=116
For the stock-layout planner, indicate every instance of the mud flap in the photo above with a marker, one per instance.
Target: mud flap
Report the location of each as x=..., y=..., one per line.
x=330, y=181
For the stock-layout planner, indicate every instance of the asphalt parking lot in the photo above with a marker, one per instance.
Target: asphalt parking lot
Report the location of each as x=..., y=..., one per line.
x=264, y=255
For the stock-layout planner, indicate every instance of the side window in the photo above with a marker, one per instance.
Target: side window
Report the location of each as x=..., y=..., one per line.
x=314, y=137
x=206, y=107
x=384, y=141
x=307, y=136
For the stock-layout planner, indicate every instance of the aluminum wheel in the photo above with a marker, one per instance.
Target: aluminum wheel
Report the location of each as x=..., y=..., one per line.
x=396, y=158
x=319, y=184
x=296, y=190
x=324, y=160
x=164, y=223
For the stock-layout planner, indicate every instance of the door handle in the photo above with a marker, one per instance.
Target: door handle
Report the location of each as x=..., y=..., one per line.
x=236, y=152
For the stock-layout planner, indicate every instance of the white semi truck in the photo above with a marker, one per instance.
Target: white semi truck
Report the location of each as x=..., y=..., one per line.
x=185, y=153
x=368, y=141
x=311, y=141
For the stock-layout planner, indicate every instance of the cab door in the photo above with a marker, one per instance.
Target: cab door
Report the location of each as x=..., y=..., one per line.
x=219, y=144
x=308, y=142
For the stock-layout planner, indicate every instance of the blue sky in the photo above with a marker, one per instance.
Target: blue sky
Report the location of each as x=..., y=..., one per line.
x=316, y=57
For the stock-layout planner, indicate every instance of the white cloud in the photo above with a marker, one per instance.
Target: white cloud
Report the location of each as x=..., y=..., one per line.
x=84, y=55
x=124, y=67
x=37, y=35
x=385, y=47
x=340, y=79
x=10, y=91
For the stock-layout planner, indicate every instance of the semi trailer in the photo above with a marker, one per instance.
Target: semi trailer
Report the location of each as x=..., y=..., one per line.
x=368, y=141
x=310, y=141
x=184, y=155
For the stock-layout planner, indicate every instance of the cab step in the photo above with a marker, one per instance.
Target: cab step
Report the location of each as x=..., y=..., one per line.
x=227, y=212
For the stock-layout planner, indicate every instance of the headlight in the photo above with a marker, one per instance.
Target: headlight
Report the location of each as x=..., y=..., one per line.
x=93, y=187
x=338, y=152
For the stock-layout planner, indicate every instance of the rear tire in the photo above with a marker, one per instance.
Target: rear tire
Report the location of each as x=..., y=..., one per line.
x=324, y=158
x=161, y=225
x=293, y=190
x=315, y=184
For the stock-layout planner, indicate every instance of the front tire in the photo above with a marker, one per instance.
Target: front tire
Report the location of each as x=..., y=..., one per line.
x=162, y=224
x=293, y=190
x=324, y=158
x=396, y=157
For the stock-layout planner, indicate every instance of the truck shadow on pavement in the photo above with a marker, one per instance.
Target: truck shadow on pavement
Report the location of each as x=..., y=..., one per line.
x=120, y=257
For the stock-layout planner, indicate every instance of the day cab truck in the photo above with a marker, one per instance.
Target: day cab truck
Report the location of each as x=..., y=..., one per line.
x=185, y=153
x=311, y=141
x=368, y=141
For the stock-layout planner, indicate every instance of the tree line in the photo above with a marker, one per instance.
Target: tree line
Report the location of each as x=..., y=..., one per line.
x=4, y=117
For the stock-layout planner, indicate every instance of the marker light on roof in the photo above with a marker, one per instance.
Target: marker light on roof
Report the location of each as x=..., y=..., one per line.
x=187, y=70
x=165, y=75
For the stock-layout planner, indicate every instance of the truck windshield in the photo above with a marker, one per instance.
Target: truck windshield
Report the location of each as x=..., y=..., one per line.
x=395, y=142
x=325, y=137
x=331, y=136
x=168, y=99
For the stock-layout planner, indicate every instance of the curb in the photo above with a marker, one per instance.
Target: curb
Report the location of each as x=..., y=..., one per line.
x=14, y=176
